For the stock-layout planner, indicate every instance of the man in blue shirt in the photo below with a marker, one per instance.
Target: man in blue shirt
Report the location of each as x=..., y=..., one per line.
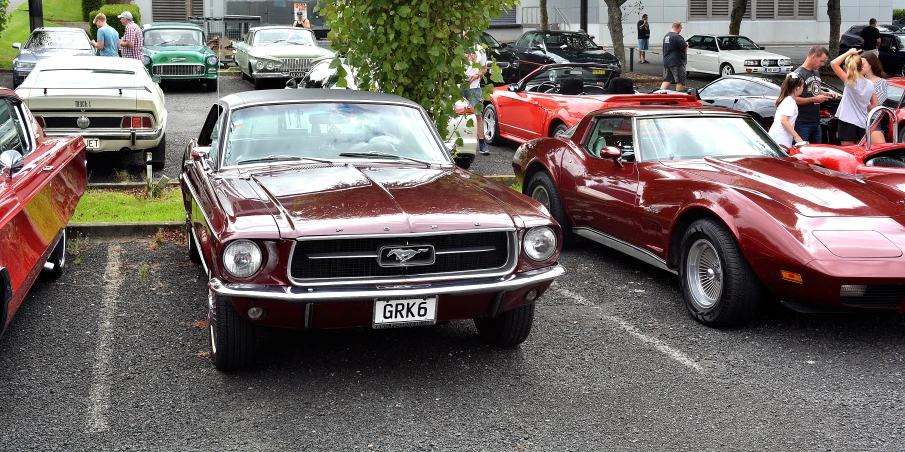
x=107, y=37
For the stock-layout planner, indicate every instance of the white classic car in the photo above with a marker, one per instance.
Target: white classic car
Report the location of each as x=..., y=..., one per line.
x=112, y=102
x=730, y=54
x=277, y=52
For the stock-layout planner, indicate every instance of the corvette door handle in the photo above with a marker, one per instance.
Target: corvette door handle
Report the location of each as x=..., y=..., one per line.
x=48, y=168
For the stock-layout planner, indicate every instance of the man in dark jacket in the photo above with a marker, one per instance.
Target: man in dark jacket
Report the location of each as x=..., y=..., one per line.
x=674, y=58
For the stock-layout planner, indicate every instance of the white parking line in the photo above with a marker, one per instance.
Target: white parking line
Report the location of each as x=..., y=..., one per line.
x=671, y=352
x=99, y=397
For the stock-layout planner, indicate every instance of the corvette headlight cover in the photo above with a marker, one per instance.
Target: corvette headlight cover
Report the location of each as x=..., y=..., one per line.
x=242, y=258
x=540, y=243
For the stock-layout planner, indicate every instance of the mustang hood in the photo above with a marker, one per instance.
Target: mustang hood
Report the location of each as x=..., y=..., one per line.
x=809, y=191
x=344, y=200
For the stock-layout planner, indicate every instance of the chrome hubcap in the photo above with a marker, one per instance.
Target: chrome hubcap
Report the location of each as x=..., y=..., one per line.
x=704, y=274
x=489, y=124
x=540, y=195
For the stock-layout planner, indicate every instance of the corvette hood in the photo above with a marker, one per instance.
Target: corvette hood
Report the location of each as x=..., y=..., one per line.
x=289, y=51
x=809, y=191
x=346, y=200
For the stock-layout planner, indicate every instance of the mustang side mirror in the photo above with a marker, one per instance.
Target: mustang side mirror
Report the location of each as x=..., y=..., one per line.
x=292, y=84
x=11, y=160
x=612, y=152
x=17, y=45
x=513, y=87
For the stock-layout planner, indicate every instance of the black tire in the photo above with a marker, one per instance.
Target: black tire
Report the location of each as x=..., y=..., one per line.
x=244, y=75
x=194, y=254
x=211, y=84
x=726, y=69
x=888, y=162
x=232, y=338
x=159, y=154
x=710, y=255
x=58, y=257
x=543, y=190
x=560, y=128
x=491, y=126
x=902, y=131
x=508, y=329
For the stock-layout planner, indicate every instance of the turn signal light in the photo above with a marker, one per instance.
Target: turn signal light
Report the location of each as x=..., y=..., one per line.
x=789, y=276
x=136, y=122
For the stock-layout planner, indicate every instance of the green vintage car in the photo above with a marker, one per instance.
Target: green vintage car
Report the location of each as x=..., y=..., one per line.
x=277, y=52
x=177, y=51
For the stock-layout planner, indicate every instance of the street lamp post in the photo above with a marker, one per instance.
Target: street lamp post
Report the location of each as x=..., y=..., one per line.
x=36, y=14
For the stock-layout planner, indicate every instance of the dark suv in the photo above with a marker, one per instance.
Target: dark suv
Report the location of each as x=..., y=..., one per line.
x=852, y=37
x=891, y=50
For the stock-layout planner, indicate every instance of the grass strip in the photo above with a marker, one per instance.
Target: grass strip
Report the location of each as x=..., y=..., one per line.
x=114, y=206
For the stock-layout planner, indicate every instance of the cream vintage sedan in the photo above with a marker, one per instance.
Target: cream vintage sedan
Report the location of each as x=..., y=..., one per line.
x=277, y=52
x=111, y=102
x=731, y=54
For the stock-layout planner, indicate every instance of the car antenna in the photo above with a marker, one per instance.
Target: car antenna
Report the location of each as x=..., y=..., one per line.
x=45, y=91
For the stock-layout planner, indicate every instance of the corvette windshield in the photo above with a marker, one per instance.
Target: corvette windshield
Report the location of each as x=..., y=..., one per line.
x=172, y=37
x=326, y=130
x=283, y=36
x=695, y=138
x=737, y=43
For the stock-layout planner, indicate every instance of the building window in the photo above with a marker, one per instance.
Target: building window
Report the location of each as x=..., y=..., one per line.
x=757, y=9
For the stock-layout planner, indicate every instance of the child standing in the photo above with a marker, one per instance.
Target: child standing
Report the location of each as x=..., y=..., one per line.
x=783, y=128
x=858, y=97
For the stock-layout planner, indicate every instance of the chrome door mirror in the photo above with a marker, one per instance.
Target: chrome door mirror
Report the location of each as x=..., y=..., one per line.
x=17, y=45
x=12, y=161
x=513, y=87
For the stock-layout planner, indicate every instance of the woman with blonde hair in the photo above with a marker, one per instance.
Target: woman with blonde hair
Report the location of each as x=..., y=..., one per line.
x=873, y=72
x=783, y=128
x=858, y=97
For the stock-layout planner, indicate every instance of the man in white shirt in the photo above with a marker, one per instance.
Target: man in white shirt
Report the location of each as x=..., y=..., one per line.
x=473, y=94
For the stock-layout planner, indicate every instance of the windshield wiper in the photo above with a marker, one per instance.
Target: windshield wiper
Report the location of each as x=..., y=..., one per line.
x=370, y=154
x=275, y=158
x=165, y=42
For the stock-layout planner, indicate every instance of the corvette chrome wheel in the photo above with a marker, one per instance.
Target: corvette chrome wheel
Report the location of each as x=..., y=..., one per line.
x=541, y=195
x=704, y=273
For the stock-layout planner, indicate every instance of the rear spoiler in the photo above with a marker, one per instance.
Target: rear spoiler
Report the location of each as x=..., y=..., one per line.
x=120, y=88
x=651, y=99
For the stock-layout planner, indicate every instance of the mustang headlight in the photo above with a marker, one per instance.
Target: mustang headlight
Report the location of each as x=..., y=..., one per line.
x=751, y=62
x=211, y=60
x=145, y=60
x=259, y=65
x=540, y=243
x=242, y=258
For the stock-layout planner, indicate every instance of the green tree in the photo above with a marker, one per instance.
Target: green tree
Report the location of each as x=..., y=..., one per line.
x=413, y=48
x=834, y=11
x=4, y=15
x=736, y=15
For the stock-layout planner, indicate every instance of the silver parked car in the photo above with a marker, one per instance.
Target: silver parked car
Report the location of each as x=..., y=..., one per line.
x=44, y=43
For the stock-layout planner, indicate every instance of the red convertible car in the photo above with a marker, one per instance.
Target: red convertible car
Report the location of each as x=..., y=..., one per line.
x=552, y=99
x=41, y=182
x=341, y=208
x=705, y=193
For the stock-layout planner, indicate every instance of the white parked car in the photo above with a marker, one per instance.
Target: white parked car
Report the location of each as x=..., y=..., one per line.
x=731, y=54
x=112, y=102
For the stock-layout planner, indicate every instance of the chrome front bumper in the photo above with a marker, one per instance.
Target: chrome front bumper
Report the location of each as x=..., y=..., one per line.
x=330, y=294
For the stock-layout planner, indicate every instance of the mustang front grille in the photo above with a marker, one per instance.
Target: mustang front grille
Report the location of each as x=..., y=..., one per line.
x=383, y=257
x=70, y=122
x=292, y=65
x=875, y=295
x=178, y=69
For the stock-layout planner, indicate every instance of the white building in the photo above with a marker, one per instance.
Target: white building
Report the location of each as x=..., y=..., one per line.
x=766, y=21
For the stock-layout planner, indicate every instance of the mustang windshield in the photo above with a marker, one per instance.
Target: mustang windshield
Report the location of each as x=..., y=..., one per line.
x=686, y=138
x=327, y=130
x=283, y=36
x=58, y=40
x=173, y=37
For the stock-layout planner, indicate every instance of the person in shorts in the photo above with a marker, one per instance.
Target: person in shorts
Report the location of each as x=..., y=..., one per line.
x=674, y=58
x=643, y=39
x=473, y=94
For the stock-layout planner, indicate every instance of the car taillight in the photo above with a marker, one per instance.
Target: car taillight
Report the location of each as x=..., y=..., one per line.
x=146, y=122
x=825, y=114
x=40, y=120
x=136, y=122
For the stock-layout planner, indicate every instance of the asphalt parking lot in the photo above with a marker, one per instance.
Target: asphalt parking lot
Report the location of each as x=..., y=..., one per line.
x=113, y=356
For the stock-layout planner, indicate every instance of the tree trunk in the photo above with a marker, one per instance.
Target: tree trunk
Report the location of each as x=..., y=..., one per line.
x=834, y=10
x=544, y=20
x=735, y=17
x=614, y=21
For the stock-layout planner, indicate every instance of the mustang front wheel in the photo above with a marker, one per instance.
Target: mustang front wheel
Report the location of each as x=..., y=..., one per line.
x=491, y=125
x=232, y=338
x=508, y=329
x=542, y=188
x=719, y=287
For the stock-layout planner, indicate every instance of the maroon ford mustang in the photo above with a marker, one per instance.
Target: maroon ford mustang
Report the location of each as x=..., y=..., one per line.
x=706, y=194
x=334, y=209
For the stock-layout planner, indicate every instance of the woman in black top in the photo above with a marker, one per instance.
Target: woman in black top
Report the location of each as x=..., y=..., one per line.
x=301, y=21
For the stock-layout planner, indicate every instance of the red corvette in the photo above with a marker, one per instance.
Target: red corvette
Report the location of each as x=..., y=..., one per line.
x=41, y=182
x=553, y=98
x=705, y=193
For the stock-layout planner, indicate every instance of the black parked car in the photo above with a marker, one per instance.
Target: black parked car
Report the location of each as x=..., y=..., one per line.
x=757, y=94
x=538, y=48
x=852, y=37
x=505, y=57
x=891, y=50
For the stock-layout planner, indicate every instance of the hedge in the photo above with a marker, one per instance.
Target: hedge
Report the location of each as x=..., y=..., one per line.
x=898, y=14
x=111, y=11
x=91, y=5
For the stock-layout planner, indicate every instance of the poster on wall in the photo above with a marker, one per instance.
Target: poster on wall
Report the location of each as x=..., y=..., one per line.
x=300, y=12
